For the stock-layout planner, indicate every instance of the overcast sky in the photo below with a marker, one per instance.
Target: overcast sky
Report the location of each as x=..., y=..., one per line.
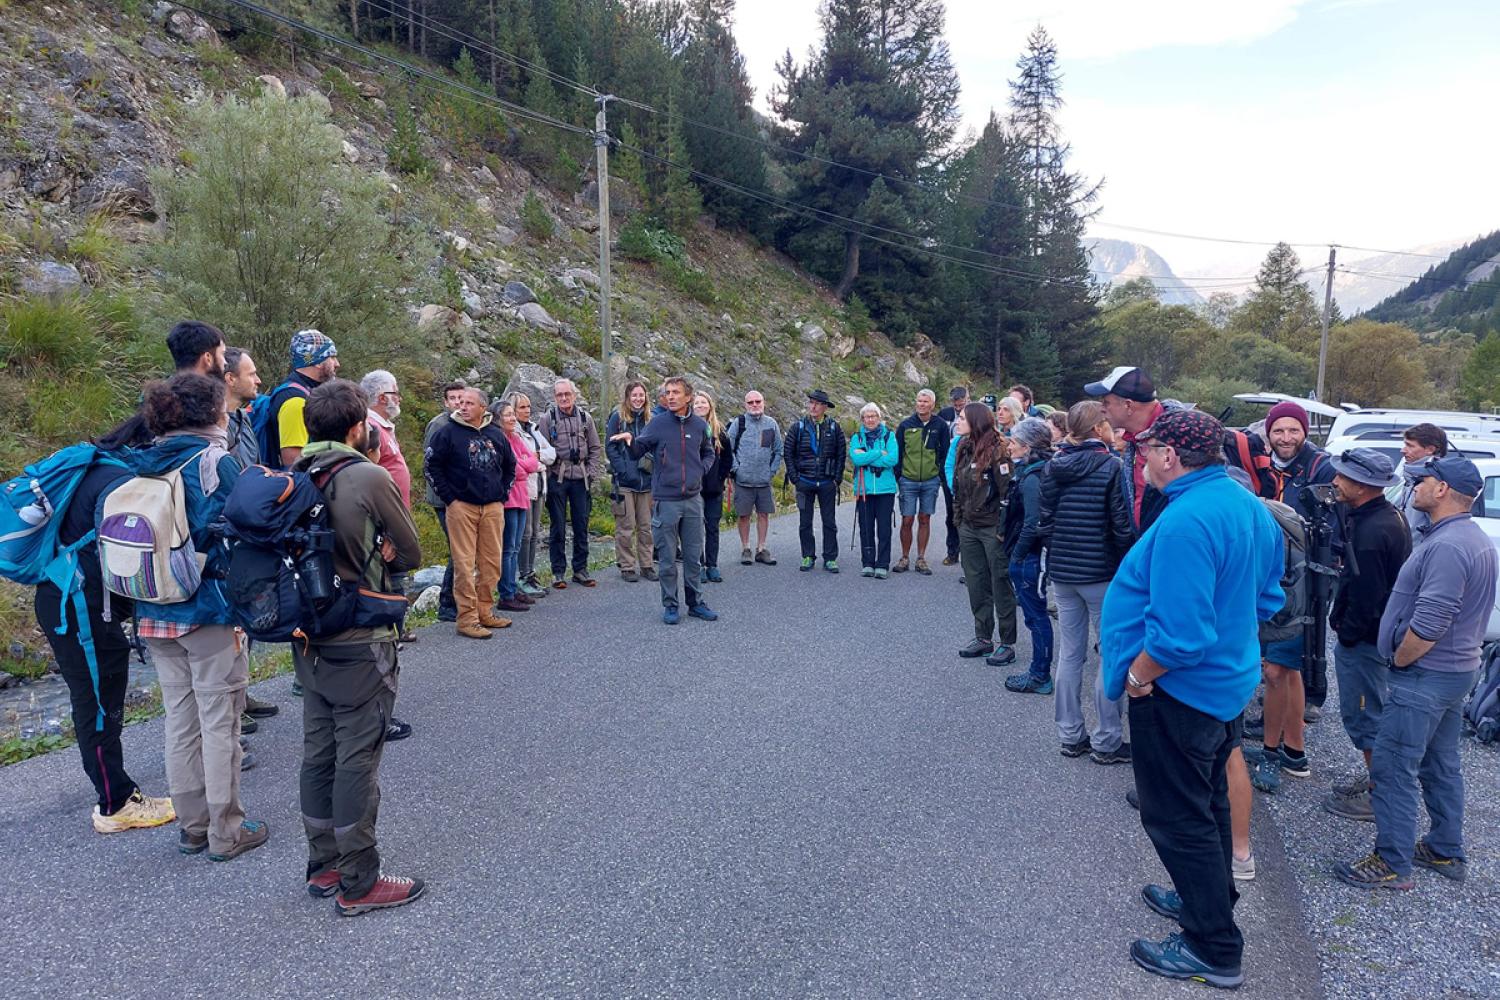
x=1365, y=122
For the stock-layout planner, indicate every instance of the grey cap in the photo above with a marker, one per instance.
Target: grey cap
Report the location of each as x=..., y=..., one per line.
x=1367, y=466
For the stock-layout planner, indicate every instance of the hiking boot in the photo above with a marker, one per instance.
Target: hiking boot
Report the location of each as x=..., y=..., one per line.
x=1243, y=869
x=191, y=843
x=649, y=573
x=1119, y=755
x=630, y=576
x=1456, y=869
x=253, y=833
x=247, y=724
x=247, y=761
x=1078, y=749
x=323, y=884
x=712, y=575
x=487, y=619
x=902, y=565
x=1132, y=798
x=138, y=813
x=867, y=571
x=531, y=590
x=703, y=611
x=765, y=558
x=950, y=560
x=1371, y=872
x=976, y=649
x=257, y=709
x=397, y=730
x=669, y=615
x=513, y=604
x=1175, y=959
x=746, y=556
x=831, y=565
x=1028, y=683
x=923, y=568
x=474, y=632
x=1296, y=765
x=559, y=584
x=1004, y=655
x=1311, y=714
x=1160, y=899
x=388, y=891
x=582, y=578
x=1265, y=772
x=882, y=574
x=1352, y=807
x=296, y=689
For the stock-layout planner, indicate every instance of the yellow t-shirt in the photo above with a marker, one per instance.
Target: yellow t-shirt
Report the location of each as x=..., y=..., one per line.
x=291, y=428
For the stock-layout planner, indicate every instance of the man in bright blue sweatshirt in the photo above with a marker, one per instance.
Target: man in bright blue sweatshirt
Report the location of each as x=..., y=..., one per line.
x=1180, y=623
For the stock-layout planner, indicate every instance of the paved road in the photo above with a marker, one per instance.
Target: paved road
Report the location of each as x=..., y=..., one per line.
x=811, y=797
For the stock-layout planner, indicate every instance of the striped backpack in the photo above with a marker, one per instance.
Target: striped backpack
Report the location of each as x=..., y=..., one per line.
x=145, y=545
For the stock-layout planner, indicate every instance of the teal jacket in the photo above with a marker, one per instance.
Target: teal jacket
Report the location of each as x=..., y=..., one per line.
x=875, y=457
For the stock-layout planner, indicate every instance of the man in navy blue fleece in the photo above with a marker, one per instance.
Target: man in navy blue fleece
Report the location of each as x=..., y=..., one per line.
x=1431, y=633
x=1180, y=623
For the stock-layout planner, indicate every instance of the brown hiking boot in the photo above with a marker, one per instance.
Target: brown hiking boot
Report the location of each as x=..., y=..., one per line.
x=253, y=833
x=489, y=620
x=474, y=632
x=513, y=604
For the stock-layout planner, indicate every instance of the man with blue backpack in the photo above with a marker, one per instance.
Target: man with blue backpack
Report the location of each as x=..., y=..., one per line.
x=278, y=415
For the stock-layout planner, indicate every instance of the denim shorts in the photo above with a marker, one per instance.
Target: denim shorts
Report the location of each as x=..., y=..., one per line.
x=1284, y=653
x=918, y=496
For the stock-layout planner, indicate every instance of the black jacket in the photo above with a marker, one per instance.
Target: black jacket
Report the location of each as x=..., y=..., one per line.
x=815, y=453
x=1023, y=511
x=626, y=470
x=469, y=464
x=682, y=454
x=713, y=479
x=1380, y=541
x=1085, y=517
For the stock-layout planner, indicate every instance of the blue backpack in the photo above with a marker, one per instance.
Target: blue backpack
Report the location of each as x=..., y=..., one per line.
x=262, y=421
x=31, y=512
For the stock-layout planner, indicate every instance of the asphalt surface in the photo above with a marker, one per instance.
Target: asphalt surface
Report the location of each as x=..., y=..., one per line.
x=813, y=796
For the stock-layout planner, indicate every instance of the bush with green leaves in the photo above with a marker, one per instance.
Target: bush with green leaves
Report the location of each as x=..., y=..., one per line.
x=535, y=218
x=270, y=231
x=641, y=241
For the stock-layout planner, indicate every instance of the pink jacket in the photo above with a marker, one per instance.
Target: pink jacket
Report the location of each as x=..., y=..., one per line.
x=526, y=464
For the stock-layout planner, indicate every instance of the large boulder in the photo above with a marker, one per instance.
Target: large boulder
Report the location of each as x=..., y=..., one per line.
x=812, y=333
x=517, y=293
x=441, y=319
x=272, y=85
x=535, y=314
x=841, y=347
x=536, y=381
x=506, y=236
x=910, y=373
x=189, y=28
x=579, y=277
x=473, y=304
x=49, y=279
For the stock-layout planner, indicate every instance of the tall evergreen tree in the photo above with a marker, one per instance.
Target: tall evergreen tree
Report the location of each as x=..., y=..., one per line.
x=1281, y=308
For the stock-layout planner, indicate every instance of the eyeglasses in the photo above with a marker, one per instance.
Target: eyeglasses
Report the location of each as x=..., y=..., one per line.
x=755, y=402
x=1158, y=444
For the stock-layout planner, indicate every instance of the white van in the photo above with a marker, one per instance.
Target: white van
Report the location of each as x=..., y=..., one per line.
x=1487, y=516
x=1373, y=425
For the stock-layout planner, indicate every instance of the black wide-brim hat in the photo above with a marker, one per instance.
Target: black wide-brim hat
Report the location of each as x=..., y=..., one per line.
x=819, y=396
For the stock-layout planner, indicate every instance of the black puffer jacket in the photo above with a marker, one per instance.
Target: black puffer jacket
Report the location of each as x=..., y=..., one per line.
x=1085, y=519
x=713, y=479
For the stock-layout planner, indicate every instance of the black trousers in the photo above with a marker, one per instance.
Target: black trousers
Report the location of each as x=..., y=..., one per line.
x=826, y=497
x=103, y=758
x=568, y=505
x=950, y=524
x=447, y=606
x=1179, y=755
x=713, y=520
x=874, y=515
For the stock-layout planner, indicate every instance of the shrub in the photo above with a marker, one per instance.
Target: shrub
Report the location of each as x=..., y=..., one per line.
x=535, y=219
x=857, y=317
x=690, y=281
x=405, y=147
x=37, y=333
x=95, y=245
x=640, y=241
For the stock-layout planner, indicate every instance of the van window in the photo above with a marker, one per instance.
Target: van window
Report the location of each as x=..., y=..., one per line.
x=1489, y=502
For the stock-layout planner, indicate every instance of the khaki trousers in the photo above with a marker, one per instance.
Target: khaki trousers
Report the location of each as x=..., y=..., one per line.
x=203, y=676
x=474, y=537
x=633, y=543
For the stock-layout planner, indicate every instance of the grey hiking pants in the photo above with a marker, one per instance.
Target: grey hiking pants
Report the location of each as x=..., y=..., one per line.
x=1078, y=607
x=678, y=524
x=347, y=696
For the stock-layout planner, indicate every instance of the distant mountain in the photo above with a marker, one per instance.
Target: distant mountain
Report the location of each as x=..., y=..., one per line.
x=1462, y=292
x=1119, y=261
x=1378, y=275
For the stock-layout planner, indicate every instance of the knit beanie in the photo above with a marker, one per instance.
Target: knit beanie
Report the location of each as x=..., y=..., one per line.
x=1287, y=408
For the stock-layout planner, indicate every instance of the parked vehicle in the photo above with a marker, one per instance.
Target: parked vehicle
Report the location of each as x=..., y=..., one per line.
x=1487, y=516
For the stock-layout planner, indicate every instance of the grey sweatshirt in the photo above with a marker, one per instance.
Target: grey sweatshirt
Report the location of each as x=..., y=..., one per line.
x=1444, y=592
x=757, y=455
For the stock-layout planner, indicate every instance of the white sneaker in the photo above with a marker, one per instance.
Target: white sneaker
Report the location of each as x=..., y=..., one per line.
x=138, y=813
x=1244, y=871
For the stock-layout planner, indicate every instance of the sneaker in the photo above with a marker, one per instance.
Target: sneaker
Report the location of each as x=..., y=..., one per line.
x=746, y=556
x=397, y=730
x=138, y=813
x=247, y=761
x=323, y=884
x=388, y=891
x=1311, y=714
x=1078, y=749
x=1359, y=807
x=1160, y=899
x=530, y=589
x=253, y=833
x=191, y=843
x=701, y=610
x=1243, y=869
x=489, y=620
x=923, y=568
x=257, y=709
x=1265, y=772
x=712, y=575
x=1175, y=959
x=582, y=578
x=1371, y=872
x=1456, y=869
x=1132, y=798
x=765, y=558
x=806, y=564
x=1003, y=656
x=1296, y=766
x=1119, y=755
x=977, y=648
x=475, y=632
x=1028, y=683
x=882, y=574
x=247, y=724
x=630, y=576
x=902, y=565
x=296, y=689
x=867, y=571
x=513, y=604
x=669, y=615
x=950, y=560
x=559, y=584
x=649, y=573
x=831, y=565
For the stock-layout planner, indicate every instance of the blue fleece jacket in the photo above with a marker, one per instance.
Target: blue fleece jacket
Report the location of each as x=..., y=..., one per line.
x=1192, y=593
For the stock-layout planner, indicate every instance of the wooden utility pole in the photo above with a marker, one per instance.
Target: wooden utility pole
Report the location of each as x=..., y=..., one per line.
x=1327, y=315
x=601, y=151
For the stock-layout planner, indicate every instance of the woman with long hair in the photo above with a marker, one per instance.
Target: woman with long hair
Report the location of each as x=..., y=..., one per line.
x=718, y=488
x=1086, y=527
x=1030, y=448
x=981, y=477
x=536, y=490
x=630, y=500
x=875, y=451
x=517, y=509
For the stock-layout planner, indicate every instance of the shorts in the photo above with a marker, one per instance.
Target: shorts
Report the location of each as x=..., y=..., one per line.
x=1285, y=653
x=918, y=496
x=753, y=500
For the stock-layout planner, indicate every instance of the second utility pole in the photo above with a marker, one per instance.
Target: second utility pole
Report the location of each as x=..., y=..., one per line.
x=601, y=150
x=1327, y=315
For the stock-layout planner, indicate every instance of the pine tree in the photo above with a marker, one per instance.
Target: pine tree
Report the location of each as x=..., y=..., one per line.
x=1281, y=307
x=681, y=204
x=1038, y=364
x=717, y=93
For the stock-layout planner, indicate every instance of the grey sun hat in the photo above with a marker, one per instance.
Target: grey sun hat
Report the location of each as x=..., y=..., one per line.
x=1367, y=466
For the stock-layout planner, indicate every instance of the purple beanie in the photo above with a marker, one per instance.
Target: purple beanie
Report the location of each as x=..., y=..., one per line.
x=1287, y=408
